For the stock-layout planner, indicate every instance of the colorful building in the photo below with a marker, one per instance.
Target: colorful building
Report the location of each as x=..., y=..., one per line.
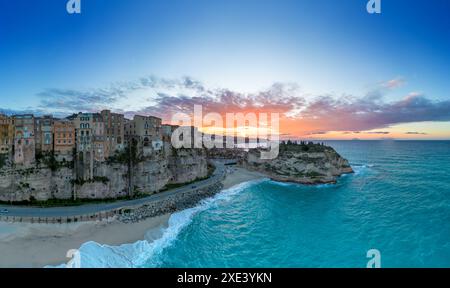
x=83, y=123
x=147, y=131
x=24, y=139
x=98, y=137
x=114, y=132
x=64, y=139
x=6, y=135
x=44, y=134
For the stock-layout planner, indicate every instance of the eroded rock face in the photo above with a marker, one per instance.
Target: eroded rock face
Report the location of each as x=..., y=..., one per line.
x=187, y=165
x=111, y=180
x=115, y=186
x=315, y=164
x=35, y=183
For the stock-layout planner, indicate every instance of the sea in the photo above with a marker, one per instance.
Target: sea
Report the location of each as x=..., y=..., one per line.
x=397, y=202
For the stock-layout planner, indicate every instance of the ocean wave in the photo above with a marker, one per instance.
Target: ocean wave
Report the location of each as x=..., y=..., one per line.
x=325, y=186
x=361, y=169
x=95, y=255
x=292, y=184
x=283, y=184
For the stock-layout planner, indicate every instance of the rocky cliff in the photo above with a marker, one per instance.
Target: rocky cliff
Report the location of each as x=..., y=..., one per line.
x=305, y=163
x=111, y=179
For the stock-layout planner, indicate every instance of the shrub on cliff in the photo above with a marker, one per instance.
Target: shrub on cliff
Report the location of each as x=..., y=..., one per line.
x=2, y=160
x=126, y=156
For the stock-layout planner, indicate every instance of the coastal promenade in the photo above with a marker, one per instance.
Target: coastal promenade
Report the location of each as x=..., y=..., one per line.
x=101, y=211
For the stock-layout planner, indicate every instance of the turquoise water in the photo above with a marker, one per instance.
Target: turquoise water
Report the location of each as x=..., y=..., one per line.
x=398, y=202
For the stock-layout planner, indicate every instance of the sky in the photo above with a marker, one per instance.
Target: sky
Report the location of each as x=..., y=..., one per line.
x=332, y=70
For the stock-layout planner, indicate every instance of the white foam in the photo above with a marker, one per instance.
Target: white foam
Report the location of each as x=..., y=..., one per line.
x=284, y=184
x=96, y=255
x=361, y=169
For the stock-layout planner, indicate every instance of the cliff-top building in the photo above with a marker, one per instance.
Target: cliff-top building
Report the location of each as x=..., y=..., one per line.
x=147, y=131
x=98, y=137
x=24, y=139
x=64, y=139
x=84, y=123
x=114, y=132
x=6, y=135
x=44, y=134
x=166, y=132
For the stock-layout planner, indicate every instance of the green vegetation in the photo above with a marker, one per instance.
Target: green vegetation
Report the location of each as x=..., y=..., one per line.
x=2, y=160
x=81, y=182
x=303, y=146
x=178, y=185
x=23, y=185
x=314, y=174
x=129, y=155
x=49, y=160
x=78, y=202
x=211, y=169
x=67, y=202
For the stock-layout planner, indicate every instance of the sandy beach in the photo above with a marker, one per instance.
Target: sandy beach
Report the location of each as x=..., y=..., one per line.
x=236, y=175
x=38, y=245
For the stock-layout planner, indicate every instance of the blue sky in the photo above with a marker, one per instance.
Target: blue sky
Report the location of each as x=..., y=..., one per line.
x=325, y=47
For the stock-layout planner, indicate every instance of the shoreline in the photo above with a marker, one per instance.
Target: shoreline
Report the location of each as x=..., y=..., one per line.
x=26, y=245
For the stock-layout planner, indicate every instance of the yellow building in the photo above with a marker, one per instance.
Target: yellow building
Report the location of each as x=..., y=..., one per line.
x=64, y=139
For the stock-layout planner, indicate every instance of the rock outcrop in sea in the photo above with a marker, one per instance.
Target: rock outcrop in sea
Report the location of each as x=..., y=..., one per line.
x=304, y=163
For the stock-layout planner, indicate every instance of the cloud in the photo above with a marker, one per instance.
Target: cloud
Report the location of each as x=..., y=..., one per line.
x=36, y=112
x=279, y=98
x=394, y=83
x=299, y=115
x=77, y=100
x=416, y=133
x=331, y=114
